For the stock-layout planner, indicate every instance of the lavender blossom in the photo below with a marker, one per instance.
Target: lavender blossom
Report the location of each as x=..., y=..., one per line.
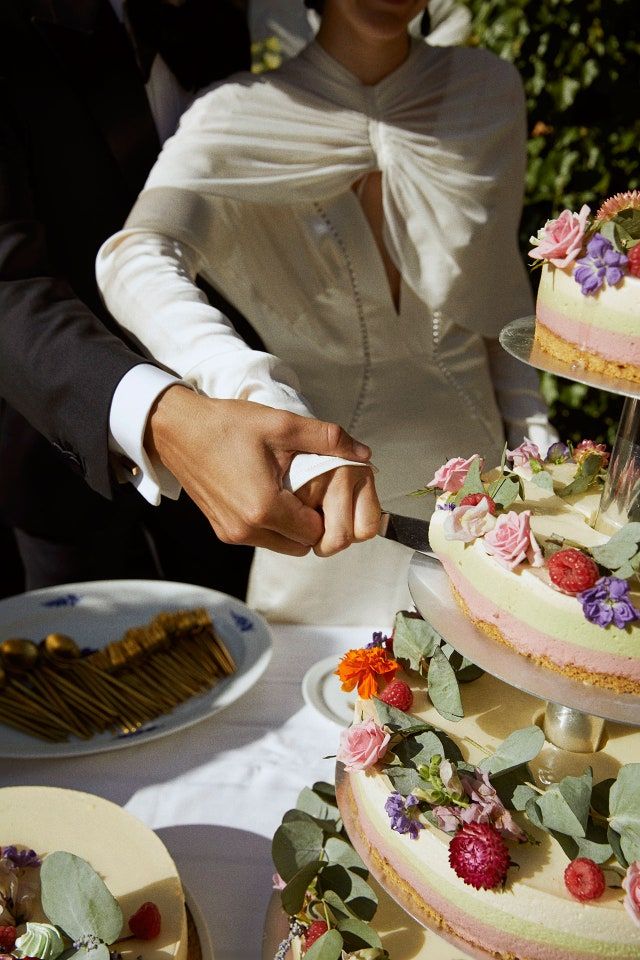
x=21, y=858
x=608, y=602
x=603, y=263
x=449, y=505
x=378, y=639
x=403, y=813
x=558, y=452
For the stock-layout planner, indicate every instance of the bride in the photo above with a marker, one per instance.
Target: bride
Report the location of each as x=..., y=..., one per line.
x=360, y=207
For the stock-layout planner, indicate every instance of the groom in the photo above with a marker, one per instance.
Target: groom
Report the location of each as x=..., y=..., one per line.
x=88, y=91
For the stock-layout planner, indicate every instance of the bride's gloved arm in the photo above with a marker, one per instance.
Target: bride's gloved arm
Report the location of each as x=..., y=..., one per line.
x=520, y=402
x=147, y=282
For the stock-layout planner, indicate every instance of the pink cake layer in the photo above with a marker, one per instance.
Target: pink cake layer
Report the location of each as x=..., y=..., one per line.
x=482, y=935
x=528, y=640
x=607, y=343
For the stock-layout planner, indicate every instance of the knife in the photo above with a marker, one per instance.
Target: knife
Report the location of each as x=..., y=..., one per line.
x=409, y=531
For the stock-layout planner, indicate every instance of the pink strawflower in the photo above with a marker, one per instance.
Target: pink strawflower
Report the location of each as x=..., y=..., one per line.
x=512, y=542
x=560, y=240
x=362, y=745
x=585, y=447
x=528, y=450
x=467, y=522
x=451, y=476
x=449, y=818
x=487, y=807
x=631, y=886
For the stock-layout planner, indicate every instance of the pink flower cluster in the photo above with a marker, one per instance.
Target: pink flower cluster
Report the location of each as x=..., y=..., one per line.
x=512, y=542
x=631, y=886
x=485, y=807
x=528, y=450
x=467, y=522
x=362, y=745
x=560, y=240
x=585, y=447
x=451, y=476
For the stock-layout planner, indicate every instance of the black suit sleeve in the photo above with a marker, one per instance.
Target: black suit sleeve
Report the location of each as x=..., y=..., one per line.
x=59, y=364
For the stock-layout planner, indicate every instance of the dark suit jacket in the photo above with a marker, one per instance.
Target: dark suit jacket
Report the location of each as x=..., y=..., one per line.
x=76, y=143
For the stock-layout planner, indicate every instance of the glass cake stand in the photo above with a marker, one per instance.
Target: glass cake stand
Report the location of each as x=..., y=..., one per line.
x=576, y=711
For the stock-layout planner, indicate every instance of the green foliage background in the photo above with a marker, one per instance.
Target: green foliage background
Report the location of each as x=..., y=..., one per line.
x=580, y=64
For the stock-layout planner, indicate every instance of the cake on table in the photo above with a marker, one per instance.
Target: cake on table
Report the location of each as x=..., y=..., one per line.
x=588, y=304
x=78, y=873
x=527, y=566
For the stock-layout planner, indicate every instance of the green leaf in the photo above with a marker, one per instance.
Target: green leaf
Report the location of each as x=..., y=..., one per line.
x=414, y=640
x=294, y=893
x=338, y=907
x=315, y=806
x=543, y=480
x=77, y=900
x=533, y=813
x=358, y=935
x=472, y=484
x=621, y=548
x=519, y=747
x=419, y=749
x=443, y=687
x=327, y=947
x=565, y=806
x=505, y=490
x=295, y=844
x=339, y=851
x=586, y=474
x=507, y=783
x=600, y=796
x=351, y=888
x=404, y=779
x=327, y=826
x=614, y=839
x=391, y=717
x=325, y=790
x=624, y=800
x=521, y=796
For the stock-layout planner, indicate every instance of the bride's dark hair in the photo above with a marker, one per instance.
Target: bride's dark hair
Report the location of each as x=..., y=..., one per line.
x=425, y=22
x=316, y=5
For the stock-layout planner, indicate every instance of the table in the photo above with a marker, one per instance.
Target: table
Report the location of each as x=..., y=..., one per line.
x=216, y=792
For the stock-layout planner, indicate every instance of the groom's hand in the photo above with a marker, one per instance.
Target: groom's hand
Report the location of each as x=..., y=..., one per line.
x=349, y=503
x=231, y=456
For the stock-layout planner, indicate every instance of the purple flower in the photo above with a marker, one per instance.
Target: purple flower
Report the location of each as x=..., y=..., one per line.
x=450, y=505
x=602, y=263
x=558, y=452
x=487, y=807
x=608, y=602
x=20, y=858
x=378, y=639
x=403, y=813
x=449, y=818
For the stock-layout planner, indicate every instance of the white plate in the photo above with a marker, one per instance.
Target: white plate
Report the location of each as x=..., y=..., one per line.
x=322, y=690
x=206, y=946
x=98, y=612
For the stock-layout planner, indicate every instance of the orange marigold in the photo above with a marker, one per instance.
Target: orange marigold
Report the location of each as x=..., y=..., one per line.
x=363, y=668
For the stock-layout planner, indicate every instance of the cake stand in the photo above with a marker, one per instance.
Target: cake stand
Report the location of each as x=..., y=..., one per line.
x=576, y=711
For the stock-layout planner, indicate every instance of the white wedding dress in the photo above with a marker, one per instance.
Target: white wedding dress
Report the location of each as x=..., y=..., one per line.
x=416, y=383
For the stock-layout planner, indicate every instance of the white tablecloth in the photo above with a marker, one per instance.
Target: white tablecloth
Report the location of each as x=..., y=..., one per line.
x=217, y=791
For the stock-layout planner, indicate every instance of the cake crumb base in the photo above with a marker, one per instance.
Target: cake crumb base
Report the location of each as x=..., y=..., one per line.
x=572, y=355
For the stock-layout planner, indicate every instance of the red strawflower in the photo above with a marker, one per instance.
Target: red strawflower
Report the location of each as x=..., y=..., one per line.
x=146, y=922
x=572, y=571
x=633, y=260
x=313, y=932
x=397, y=694
x=472, y=499
x=479, y=856
x=584, y=879
x=7, y=938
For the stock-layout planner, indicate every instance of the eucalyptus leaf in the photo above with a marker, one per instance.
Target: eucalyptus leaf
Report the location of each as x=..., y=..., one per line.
x=295, y=844
x=77, y=900
x=586, y=474
x=358, y=935
x=519, y=747
x=294, y=893
x=339, y=851
x=473, y=482
x=327, y=826
x=543, y=480
x=533, y=813
x=507, y=782
x=351, y=888
x=417, y=750
x=309, y=801
x=624, y=800
x=565, y=806
x=600, y=796
x=391, y=717
x=630, y=842
x=327, y=947
x=505, y=490
x=414, y=640
x=325, y=790
x=619, y=549
x=443, y=687
x=522, y=795
x=338, y=907
x=404, y=779
x=614, y=839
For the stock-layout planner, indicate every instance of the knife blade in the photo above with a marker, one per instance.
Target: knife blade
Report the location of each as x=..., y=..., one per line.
x=409, y=531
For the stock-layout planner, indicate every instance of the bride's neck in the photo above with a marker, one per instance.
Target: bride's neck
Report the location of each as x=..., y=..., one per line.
x=370, y=59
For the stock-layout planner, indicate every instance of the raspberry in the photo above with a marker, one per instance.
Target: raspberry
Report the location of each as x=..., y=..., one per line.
x=7, y=939
x=572, y=571
x=634, y=260
x=479, y=855
x=313, y=932
x=472, y=499
x=146, y=922
x=397, y=694
x=584, y=879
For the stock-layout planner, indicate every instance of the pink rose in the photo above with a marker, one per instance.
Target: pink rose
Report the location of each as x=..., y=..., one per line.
x=451, y=475
x=511, y=541
x=631, y=886
x=467, y=522
x=560, y=241
x=362, y=745
x=528, y=450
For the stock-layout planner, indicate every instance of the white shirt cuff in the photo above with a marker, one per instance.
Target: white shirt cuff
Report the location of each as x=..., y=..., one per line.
x=307, y=466
x=130, y=408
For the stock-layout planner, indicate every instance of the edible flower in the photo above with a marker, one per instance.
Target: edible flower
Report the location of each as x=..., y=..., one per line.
x=512, y=542
x=558, y=452
x=362, y=745
x=528, y=450
x=363, y=668
x=602, y=263
x=467, y=522
x=585, y=447
x=608, y=602
x=404, y=813
x=560, y=240
x=631, y=886
x=451, y=476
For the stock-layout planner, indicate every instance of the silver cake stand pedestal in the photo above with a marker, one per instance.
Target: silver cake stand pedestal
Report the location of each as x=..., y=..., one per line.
x=576, y=712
